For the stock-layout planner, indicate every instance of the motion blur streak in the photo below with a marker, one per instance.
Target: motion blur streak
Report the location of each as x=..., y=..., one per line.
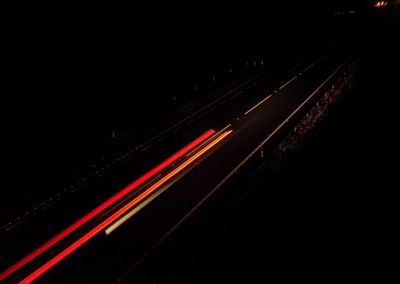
x=158, y=185
x=120, y=212
x=29, y=257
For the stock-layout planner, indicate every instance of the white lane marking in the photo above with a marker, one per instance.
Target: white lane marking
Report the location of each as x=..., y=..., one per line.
x=191, y=121
x=162, y=138
x=309, y=67
x=220, y=98
x=159, y=191
x=202, y=115
x=318, y=60
x=288, y=82
x=223, y=129
x=279, y=127
x=184, y=218
x=257, y=78
x=146, y=148
x=294, y=67
x=177, y=129
x=254, y=107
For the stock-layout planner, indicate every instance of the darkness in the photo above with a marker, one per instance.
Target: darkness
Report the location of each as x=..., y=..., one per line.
x=80, y=70
x=329, y=214
x=76, y=71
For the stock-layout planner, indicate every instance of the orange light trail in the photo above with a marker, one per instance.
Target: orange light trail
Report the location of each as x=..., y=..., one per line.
x=380, y=4
x=106, y=204
x=119, y=213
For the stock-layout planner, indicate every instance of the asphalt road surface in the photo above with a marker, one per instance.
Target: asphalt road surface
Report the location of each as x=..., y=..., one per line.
x=112, y=222
x=240, y=125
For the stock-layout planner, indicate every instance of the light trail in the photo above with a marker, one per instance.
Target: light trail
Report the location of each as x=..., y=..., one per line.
x=106, y=204
x=82, y=240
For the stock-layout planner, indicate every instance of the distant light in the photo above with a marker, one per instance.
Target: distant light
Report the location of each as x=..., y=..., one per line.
x=352, y=12
x=339, y=13
x=380, y=4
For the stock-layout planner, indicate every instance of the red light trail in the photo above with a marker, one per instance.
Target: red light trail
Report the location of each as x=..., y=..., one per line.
x=106, y=204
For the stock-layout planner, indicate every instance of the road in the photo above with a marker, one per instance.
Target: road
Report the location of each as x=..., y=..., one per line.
x=210, y=147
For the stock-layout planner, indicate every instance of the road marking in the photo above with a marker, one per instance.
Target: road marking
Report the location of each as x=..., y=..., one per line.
x=295, y=67
x=135, y=210
x=280, y=126
x=184, y=218
x=146, y=148
x=104, y=206
x=256, y=78
x=156, y=186
x=254, y=107
x=223, y=129
x=191, y=121
x=122, y=211
x=214, y=103
x=162, y=138
x=288, y=82
x=309, y=67
x=177, y=129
